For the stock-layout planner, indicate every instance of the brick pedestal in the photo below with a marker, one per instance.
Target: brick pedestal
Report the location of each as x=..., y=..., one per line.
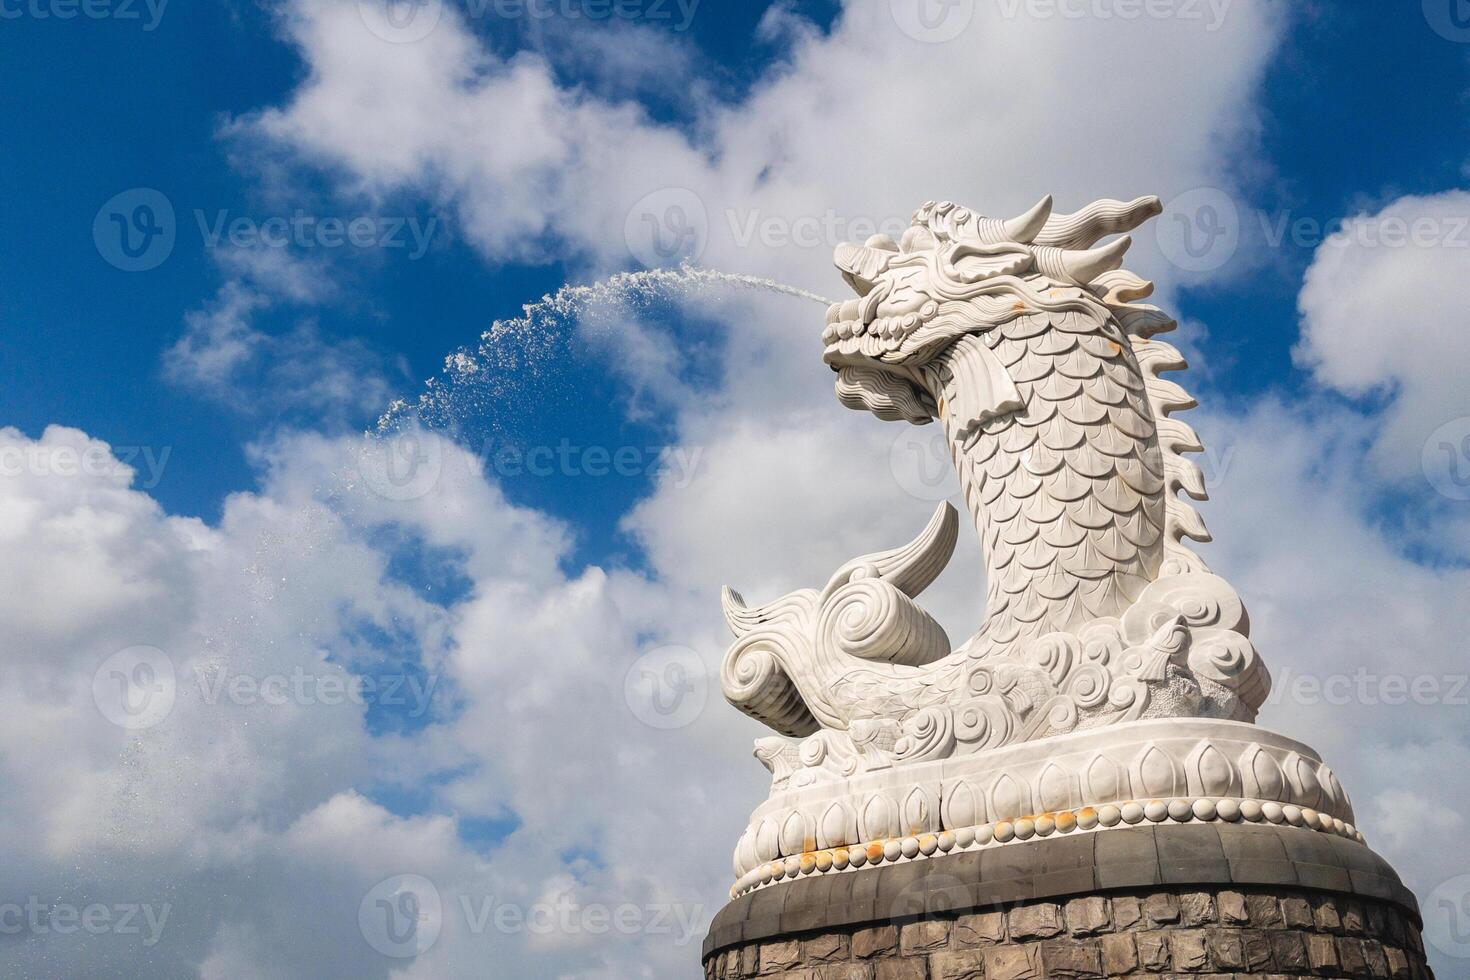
x=1327, y=909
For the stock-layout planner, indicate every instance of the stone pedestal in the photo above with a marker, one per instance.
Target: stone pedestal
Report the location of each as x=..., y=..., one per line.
x=1217, y=900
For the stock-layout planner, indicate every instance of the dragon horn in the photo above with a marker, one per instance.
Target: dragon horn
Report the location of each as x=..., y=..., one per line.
x=1081, y=268
x=1024, y=228
x=911, y=568
x=1085, y=228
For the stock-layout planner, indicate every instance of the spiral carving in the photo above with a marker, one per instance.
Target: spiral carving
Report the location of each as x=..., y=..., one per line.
x=871, y=620
x=831, y=750
x=1060, y=714
x=1221, y=655
x=1230, y=659
x=1102, y=642
x=984, y=723
x=1203, y=600
x=927, y=735
x=1089, y=685
x=756, y=677
x=1128, y=694
x=1054, y=653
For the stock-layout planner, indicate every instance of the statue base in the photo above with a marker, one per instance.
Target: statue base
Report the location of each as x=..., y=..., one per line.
x=1154, y=901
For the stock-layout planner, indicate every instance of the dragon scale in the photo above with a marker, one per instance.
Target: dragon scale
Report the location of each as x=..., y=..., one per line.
x=1067, y=492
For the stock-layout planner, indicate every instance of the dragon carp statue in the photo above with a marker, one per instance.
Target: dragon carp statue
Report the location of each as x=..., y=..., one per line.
x=1113, y=681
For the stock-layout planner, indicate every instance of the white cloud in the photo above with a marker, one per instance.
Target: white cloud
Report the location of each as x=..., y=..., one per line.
x=1013, y=108
x=227, y=356
x=1382, y=314
x=245, y=816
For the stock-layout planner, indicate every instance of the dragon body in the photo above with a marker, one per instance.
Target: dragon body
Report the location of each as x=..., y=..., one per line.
x=1025, y=340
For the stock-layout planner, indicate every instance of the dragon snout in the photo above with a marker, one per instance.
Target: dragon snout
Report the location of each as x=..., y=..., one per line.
x=847, y=310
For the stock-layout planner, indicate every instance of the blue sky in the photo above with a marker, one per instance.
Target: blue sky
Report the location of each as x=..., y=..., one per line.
x=1359, y=105
x=145, y=109
x=236, y=378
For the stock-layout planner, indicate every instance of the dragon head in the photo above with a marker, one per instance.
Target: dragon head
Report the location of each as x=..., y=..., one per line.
x=955, y=274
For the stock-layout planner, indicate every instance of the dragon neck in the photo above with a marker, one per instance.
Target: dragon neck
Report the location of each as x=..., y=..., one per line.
x=1068, y=490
